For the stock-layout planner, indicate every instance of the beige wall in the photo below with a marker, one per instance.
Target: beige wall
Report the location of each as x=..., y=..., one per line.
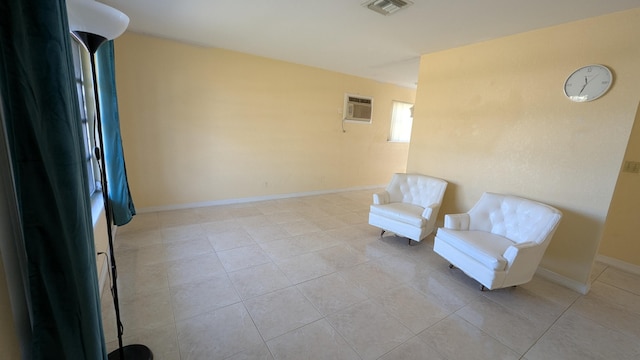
x=101, y=241
x=620, y=240
x=9, y=346
x=202, y=125
x=493, y=117
x=9, y=343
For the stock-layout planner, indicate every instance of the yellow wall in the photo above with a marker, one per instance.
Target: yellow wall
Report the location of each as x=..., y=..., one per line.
x=493, y=117
x=9, y=346
x=101, y=241
x=620, y=240
x=202, y=124
x=9, y=343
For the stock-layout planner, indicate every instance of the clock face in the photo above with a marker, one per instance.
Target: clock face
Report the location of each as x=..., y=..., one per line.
x=588, y=83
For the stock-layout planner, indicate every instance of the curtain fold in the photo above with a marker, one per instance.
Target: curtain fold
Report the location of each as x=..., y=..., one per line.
x=122, y=206
x=45, y=144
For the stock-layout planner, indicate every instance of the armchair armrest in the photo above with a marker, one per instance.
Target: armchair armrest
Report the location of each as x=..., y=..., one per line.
x=381, y=198
x=457, y=221
x=524, y=250
x=522, y=262
x=433, y=208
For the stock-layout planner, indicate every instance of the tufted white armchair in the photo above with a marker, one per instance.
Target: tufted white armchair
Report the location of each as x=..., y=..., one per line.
x=500, y=241
x=409, y=205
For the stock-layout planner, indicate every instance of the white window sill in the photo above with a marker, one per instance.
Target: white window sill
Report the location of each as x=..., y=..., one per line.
x=97, y=207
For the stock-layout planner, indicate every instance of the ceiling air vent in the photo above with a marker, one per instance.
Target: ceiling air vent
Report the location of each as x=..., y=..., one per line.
x=387, y=7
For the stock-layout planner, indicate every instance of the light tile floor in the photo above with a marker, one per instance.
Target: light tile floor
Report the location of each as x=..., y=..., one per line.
x=308, y=278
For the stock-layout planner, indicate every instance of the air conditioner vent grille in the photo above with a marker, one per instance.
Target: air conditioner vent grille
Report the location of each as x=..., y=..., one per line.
x=358, y=108
x=387, y=7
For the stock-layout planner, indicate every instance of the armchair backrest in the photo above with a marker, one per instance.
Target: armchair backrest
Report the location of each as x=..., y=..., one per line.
x=518, y=219
x=416, y=189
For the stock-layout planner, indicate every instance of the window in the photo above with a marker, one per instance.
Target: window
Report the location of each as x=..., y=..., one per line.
x=86, y=125
x=401, y=122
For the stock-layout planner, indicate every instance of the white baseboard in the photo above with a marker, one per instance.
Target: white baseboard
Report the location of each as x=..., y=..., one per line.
x=253, y=199
x=564, y=281
x=619, y=264
x=103, y=274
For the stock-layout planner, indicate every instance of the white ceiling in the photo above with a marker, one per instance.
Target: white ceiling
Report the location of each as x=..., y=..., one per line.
x=343, y=36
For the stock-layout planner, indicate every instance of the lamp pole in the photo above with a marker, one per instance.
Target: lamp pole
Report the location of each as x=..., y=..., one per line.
x=93, y=23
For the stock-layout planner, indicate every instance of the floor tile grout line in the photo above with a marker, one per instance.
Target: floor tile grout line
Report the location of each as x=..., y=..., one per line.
x=336, y=270
x=486, y=333
x=175, y=321
x=616, y=286
x=264, y=342
x=486, y=295
x=346, y=340
x=552, y=324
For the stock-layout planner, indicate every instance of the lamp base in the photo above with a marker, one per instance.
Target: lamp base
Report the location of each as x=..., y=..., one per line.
x=132, y=352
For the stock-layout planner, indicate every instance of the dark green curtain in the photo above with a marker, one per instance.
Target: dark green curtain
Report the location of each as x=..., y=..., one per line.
x=122, y=206
x=45, y=144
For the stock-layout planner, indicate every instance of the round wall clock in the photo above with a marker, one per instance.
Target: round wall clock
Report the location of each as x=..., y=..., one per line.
x=588, y=83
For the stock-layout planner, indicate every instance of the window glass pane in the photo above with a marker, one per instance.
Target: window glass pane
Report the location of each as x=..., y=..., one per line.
x=77, y=65
x=401, y=122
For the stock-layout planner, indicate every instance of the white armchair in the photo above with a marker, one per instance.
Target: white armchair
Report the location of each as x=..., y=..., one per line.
x=500, y=241
x=409, y=205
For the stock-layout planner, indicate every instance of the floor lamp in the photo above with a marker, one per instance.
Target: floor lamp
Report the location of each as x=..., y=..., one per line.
x=93, y=23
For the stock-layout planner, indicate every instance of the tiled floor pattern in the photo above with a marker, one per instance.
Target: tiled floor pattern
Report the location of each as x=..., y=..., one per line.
x=308, y=278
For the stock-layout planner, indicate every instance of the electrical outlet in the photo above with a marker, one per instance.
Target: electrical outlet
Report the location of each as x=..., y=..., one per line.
x=631, y=167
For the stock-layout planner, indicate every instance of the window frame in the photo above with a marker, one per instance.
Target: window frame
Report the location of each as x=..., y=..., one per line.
x=397, y=134
x=87, y=110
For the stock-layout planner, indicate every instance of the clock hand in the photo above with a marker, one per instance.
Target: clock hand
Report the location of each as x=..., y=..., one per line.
x=586, y=82
x=584, y=86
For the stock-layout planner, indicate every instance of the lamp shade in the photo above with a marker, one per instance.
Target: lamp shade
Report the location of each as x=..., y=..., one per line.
x=92, y=17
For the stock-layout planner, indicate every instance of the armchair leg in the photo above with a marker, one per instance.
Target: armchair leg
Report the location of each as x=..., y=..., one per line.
x=382, y=233
x=482, y=288
x=451, y=266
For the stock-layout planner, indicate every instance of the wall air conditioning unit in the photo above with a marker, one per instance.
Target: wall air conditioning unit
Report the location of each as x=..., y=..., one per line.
x=358, y=108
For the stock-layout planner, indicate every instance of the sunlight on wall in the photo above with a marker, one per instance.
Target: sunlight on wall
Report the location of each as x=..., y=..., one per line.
x=202, y=124
x=620, y=240
x=493, y=117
